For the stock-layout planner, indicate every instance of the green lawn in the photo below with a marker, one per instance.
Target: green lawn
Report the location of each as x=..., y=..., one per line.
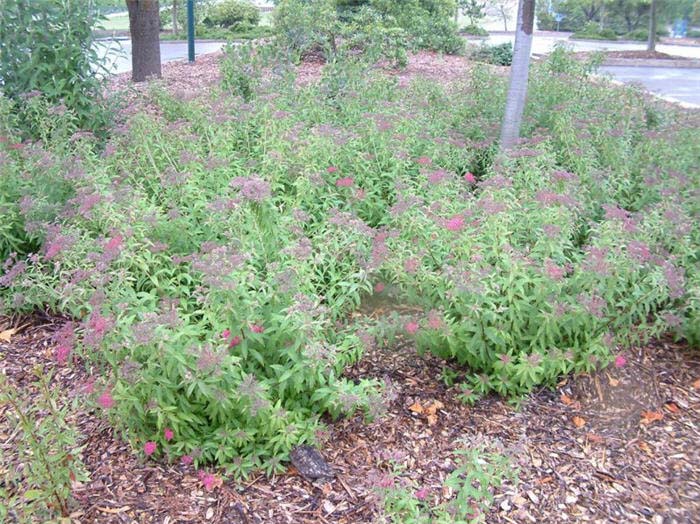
x=117, y=22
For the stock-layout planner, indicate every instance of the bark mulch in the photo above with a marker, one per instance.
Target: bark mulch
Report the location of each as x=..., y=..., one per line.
x=620, y=445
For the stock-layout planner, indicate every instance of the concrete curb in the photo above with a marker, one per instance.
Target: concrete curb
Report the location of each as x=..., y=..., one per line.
x=653, y=62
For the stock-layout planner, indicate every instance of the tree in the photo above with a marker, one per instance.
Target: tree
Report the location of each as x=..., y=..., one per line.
x=517, y=90
x=651, y=41
x=472, y=9
x=502, y=9
x=144, y=26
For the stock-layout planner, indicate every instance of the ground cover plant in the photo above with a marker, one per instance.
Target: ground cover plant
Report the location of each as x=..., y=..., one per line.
x=212, y=253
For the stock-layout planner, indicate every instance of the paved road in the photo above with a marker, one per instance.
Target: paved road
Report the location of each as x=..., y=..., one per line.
x=544, y=43
x=679, y=85
x=118, y=52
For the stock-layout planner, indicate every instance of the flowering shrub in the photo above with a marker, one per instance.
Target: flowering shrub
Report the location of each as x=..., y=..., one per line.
x=211, y=254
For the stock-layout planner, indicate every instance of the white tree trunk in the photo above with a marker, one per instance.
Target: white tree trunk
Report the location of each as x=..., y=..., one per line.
x=517, y=91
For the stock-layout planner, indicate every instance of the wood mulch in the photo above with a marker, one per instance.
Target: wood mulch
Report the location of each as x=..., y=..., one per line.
x=620, y=445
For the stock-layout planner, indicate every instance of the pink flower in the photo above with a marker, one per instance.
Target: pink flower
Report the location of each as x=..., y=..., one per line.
x=424, y=161
x=470, y=178
x=378, y=287
x=344, y=182
x=412, y=328
x=62, y=353
x=331, y=169
x=226, y=333
x=105, y=400
x=255, y=328
x=422, y=494
x=149, y=448
x=89, y=387
x=114, y=243
x=168, y=434
x=456, y=223
x=186, y=460
x=234, y=341
x=209, y=480
x=620, y=361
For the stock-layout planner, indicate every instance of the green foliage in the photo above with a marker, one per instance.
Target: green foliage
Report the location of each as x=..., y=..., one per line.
x=233, y=14
x=475, y=30
x=39, y=471
x=499, y=54
x=642, y=35
x=478, y=472
x=213, y=254
x=592, y=31
x=45, y=72
x=318, y=26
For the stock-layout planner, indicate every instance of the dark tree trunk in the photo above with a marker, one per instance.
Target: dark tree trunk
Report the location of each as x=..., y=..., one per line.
x=651, y=42
x=144, y=25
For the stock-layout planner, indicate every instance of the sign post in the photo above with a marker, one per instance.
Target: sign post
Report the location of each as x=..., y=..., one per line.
x=190, y=30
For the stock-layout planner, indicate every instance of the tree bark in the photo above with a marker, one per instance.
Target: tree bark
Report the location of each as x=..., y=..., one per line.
x=519, y=70
x=651, y=41
x=174, y=13
x=144, y=26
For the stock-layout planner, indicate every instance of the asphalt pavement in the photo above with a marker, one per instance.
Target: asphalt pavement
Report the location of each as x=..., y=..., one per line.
x=674, y=84
x=118, y=52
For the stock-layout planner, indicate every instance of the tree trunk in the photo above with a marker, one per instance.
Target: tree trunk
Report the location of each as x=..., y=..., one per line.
x=519, y=70
x=144, y=26
x=504, y=15
x=175, y=2
x=651, y=41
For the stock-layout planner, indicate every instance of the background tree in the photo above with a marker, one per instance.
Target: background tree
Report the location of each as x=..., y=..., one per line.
x=474, y=10
x=144, y=26
x=519, y=71
x=502, y=9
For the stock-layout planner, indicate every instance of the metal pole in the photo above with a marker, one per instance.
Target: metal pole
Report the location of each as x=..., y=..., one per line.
x=190, y=30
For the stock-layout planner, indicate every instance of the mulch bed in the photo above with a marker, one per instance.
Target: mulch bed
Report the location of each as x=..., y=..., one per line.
x=620, y=445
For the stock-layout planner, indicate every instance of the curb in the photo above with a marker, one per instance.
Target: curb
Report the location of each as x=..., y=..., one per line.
x=653, y=62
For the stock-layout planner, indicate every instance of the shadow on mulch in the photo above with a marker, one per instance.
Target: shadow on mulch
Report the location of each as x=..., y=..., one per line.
x=617, y=446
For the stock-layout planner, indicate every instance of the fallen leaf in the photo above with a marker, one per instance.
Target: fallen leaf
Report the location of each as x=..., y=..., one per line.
x=6, y=335
x=672, y=407
x=579, y=422
x=651, y=416
x=432, y=420
x=696, y=384
x=613, y=382
x=416, y=408
x=566, y=399
x=645, y=447
x=432, y=408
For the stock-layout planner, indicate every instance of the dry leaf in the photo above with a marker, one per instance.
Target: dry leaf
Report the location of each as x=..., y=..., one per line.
x=651, y=416
x=432, y=408
x=566, y=399
x=432, y=420
x=6, y=335
x=579, y=422
x=696, y=384
x=672, y=407
x=645, y=447
x=613, y=382
x=416, y=408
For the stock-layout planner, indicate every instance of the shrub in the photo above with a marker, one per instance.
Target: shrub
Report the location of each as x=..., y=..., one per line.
x=45, y=460
x=642, y=35
x=593, y=31
x=212, y=256
x=52, y=71
x=693, y=33
x=499, y=54
x=233, y=14
x=307, y=27
x=475, y=30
